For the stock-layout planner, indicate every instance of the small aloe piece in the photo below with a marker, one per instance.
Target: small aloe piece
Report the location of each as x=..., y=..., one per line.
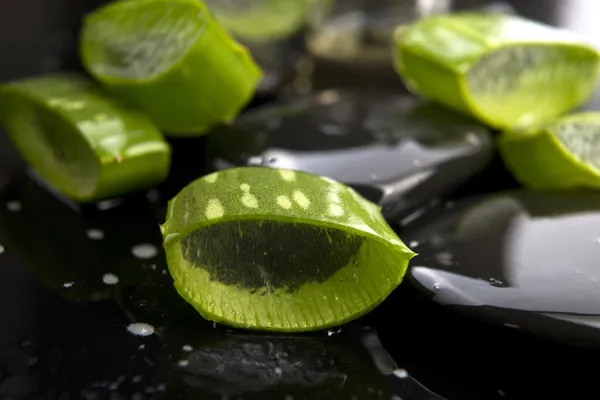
x=281, y=250
x=85, y=145
x=170, y=59
x=505, y=70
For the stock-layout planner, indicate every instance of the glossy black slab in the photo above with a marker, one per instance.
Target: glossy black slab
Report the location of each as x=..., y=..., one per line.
x=77, y=277
x=394, y=150
x=524, y=260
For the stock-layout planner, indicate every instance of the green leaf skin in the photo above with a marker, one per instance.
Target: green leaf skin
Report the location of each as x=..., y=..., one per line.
x=505, y=70
x=80, y=142
x=331, y=248
x=171, y=60
x=561, y=155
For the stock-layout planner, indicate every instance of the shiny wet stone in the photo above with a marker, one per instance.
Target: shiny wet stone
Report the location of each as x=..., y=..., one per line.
x=524, y=260
x=393, y=149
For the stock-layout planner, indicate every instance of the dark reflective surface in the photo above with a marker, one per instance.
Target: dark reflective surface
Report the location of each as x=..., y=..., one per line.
x=525, y=260
x=64, y=330
x=393, y=149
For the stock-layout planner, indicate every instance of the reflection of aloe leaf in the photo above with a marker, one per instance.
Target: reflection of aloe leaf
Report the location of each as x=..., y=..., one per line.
x=494, y=214
x=433, y=125
x=270, y=367
x=51, y=238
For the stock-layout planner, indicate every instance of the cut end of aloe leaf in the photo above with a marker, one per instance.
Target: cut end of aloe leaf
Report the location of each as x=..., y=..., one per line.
x=81, y=143
x=281, y=250
x=122, y=45
x=261, y=19
x=505, y=70
x=561, y=155
x=531, y=84
x=171, y=60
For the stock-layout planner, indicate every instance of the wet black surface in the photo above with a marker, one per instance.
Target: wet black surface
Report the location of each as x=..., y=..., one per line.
x=525, y=260
x=392, y=148
x=64, y=324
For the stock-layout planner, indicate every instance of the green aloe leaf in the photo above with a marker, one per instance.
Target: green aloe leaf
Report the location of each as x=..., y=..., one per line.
x=171, y=60
x=82, y=143
x=505, y=70
x=281, y=250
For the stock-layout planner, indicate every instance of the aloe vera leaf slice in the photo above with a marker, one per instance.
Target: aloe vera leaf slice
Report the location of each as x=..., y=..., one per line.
x=281, y=250
x=505, y=70
x=561, y=155
x=82, y=143
x=171, y=60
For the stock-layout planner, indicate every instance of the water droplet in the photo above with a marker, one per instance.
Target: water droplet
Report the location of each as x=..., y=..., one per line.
x=1, y=249
x=136, y=379
x=331, y=332
x=445, y=258
x=183, y=363
x=110, y=279
x=331, y=130
x=153, y=196
x=14, y=206
x=33, y=360
x=436, y=286
x=144, y=251
x=108, y=204
x=373, y=177
x=95, y=234
x=187, y=347
x=512, y=326
x=413, y=244
x=471, y=138
x=273, y=123
x=328, y=97
x=501, y=392
x=68, y=284
x=140, y=329
x=278, y=371
x=254, y=160
x=449, y=204
x=401, y=373
x=496, y=282
x=141, y=347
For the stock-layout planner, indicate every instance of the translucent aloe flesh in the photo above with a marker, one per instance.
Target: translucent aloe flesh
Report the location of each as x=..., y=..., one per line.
x=261, y=19
x=505, y=70
x=263, y=248
x=171, y=60
x=84, y=144
x=563, y=154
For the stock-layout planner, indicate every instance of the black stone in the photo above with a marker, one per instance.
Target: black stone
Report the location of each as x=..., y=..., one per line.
x=393, y=149
x=270, y=255
x=524, y=260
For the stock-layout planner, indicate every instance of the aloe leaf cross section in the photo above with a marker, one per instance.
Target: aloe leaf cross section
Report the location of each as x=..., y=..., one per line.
x=281, y=250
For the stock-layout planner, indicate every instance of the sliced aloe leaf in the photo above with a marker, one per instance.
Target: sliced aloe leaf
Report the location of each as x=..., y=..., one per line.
x=561, y=155
x=281, y=250
x=505, y=70
x=171, y=60
x=80, y=142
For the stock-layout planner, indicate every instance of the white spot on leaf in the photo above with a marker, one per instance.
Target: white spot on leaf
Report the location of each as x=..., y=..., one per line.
x=214, y=209
x=284, y=202
x=212, y=178
x=245, y=187
x=287, y=175
x=301, y=199
x=249, y=201
x=336, y=210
